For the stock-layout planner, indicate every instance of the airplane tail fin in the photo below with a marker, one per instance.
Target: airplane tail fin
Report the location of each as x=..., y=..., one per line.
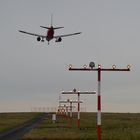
x=51, y=24
x=51, y=19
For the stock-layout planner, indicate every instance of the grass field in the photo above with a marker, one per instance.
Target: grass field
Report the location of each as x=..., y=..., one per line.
x=115, y=126
x=10, y=120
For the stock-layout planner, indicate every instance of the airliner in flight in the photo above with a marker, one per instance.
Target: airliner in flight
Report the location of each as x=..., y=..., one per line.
x=50, y=34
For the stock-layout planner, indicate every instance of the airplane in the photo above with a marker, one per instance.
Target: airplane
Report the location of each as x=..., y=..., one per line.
x=50, y=34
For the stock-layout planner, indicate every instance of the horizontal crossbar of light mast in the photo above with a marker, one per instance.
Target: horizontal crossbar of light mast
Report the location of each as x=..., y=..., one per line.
x=79, y=92
x=96, y=69
x=70, y=101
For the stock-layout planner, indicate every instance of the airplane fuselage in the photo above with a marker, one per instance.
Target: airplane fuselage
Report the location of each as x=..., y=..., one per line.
x=50, y=34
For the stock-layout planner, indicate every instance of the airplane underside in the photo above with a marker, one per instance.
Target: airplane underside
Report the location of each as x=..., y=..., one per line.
x=59, y=39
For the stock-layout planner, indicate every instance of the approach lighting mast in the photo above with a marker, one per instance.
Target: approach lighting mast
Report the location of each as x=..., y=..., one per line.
x=99, y=69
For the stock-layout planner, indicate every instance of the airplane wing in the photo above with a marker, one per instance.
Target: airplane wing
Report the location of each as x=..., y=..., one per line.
x=67, y=35
x=32, y=34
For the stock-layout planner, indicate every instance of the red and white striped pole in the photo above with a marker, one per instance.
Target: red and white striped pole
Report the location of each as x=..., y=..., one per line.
x=99, y=104
x=78, y=121
x=78, y=109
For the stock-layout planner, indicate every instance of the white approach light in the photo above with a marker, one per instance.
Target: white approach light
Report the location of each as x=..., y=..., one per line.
x=85, y=66
x=70, y=66
x=114, y=66
x=128, y=66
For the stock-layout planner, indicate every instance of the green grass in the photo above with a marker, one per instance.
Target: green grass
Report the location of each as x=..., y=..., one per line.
x=121, y=126
x=10, y=120
x=115, y=126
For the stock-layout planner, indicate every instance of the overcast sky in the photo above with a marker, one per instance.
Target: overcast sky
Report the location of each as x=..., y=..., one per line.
x=33, y=74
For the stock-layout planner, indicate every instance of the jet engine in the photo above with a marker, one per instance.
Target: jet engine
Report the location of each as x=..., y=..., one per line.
x=38, y=38
x=59, y=39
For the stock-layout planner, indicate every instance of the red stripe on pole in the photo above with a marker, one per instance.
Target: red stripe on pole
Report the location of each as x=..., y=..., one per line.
x=99, y=131
x=78, y=106
x=78, y=123
x=99, y=102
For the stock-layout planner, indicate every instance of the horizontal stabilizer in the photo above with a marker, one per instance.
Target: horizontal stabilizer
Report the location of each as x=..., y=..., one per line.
x=50, y=27
x=57, y=28
x=45, y=27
